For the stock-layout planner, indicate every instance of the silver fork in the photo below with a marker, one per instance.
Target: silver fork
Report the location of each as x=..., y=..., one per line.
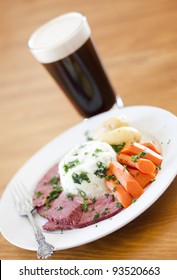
x=24, y=207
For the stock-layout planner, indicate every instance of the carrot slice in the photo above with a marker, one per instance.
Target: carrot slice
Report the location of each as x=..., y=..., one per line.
x=142, y=178
x=126, y=179
x=119, y=192
x=151, y=146
x=137, y=148
x=144, y=165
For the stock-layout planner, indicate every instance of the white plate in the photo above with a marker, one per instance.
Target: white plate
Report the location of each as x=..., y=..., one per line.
x=154, y=123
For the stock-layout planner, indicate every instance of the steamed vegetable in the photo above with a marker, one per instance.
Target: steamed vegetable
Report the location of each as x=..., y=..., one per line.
x=126, y=179
x=142, y=164
x=137, y=148
x=116, y=130
x=151, y=146
x=119, y=135
x=142, y=178
x=118, y=190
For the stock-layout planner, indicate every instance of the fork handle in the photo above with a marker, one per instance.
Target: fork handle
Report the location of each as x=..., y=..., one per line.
x=44, y=249
x=37, y=231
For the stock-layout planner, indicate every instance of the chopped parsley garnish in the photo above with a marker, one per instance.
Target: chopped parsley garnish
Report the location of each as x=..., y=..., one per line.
x=84, y=205
x=135, y=158
x=70, y=196
x=38, y=194
x=96, y=216
x=82, y=193
x=96, y=152
x=118, y=204
x=118, y=148
x=53, y=195
x=105, y=211
x=114, y=189
x=84, y=201
x=102, y=169
x=110, y=177
x=158, y=167
x=54, y=180
x=153, y=180
x=78, y=178
x=70, y=165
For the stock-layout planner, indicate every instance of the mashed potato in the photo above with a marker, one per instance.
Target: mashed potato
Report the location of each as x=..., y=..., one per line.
x=84, y=167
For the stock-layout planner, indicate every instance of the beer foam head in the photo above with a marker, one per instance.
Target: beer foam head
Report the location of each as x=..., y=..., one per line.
x=59, y=37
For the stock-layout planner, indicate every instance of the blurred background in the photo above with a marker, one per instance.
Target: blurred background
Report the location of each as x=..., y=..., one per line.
x=137, y=41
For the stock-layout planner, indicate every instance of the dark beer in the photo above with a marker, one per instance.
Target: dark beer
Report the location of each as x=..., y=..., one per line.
x=76, y=67
x=83, y=79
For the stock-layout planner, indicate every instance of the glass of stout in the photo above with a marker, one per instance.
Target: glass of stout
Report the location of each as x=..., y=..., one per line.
x=66, y=48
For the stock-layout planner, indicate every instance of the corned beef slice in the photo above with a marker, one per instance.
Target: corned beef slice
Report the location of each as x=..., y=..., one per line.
x=66, y=213
x=43, y=188
x=63, y=211
x=104, y=207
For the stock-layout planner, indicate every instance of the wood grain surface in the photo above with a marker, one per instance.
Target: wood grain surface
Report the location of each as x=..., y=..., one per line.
x=137, y=41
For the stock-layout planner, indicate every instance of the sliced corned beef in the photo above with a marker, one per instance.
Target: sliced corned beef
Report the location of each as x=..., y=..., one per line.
x=66, y=212
x=43, y=188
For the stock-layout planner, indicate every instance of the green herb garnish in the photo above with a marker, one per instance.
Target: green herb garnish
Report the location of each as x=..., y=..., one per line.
x=53, y=195
x=135, y=158
x=96, y=152
x=118, y=148
x=38, y=194
x=78, y=178
x=70, y=196
x=84, y=205
x=84, y=201
x=158, y=167
x=82, y=193
x=96, y=216
x=110, y=177
x=118, y=204
x=102, y=169
x=54, y=180
x=70, y=165
x=153, y=180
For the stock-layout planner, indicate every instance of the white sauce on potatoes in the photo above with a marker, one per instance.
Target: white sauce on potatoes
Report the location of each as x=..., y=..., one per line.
x=82, y=169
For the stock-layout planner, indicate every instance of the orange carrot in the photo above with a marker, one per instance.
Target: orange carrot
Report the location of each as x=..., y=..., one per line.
x=126, y=179
x=142, y=178
x=144, y=165
x=138, y=149
x=151, y=146
x=119, y=192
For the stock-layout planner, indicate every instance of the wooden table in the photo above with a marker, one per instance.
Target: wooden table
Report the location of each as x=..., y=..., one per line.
x=137, y=41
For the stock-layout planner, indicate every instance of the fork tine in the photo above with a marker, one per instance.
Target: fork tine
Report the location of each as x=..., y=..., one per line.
x=15, y=198
x=24, y=191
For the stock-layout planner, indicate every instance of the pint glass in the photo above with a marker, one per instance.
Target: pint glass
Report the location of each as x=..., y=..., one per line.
x=66, y=48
